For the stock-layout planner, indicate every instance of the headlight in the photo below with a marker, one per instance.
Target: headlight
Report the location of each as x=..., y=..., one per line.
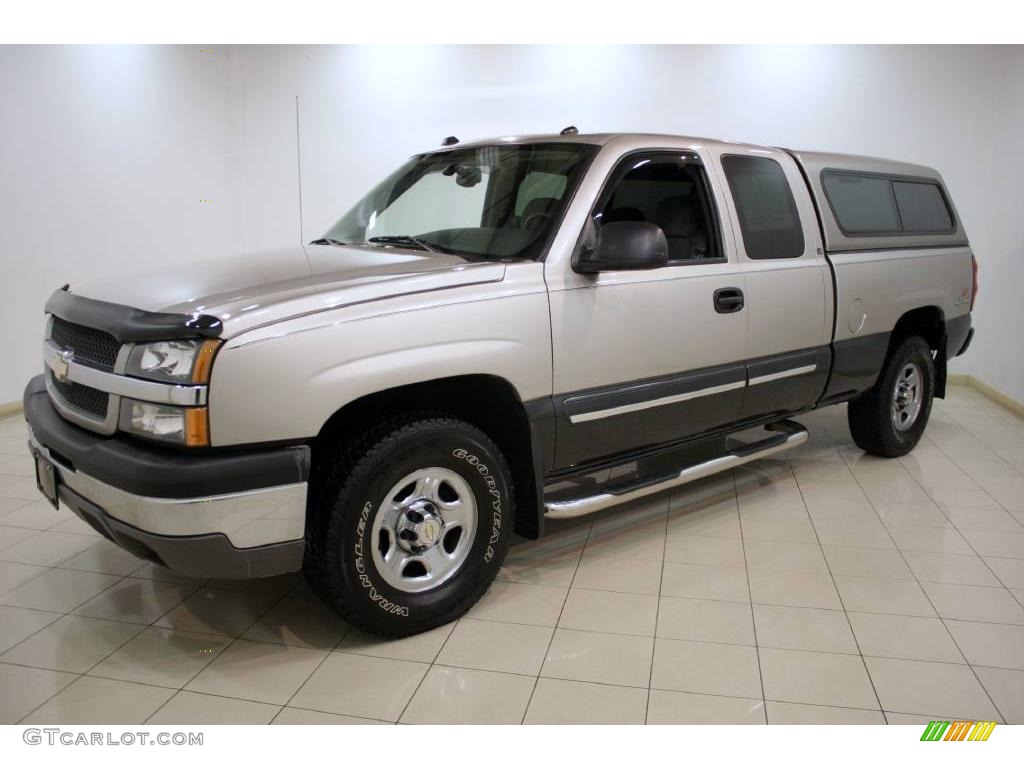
x=179, y=362
x=165, y=423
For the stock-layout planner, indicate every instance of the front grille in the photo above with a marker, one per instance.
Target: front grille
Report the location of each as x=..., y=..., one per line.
x=82, y=397
x=91, y=346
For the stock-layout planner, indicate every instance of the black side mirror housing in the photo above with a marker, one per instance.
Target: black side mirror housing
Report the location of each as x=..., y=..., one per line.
x=623, y=245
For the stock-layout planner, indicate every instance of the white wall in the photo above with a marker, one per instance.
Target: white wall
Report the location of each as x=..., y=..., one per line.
x=104, y=149
x=105, y=154
x=996, y=356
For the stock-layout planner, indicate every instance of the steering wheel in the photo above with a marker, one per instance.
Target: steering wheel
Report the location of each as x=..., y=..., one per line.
x=536, y=220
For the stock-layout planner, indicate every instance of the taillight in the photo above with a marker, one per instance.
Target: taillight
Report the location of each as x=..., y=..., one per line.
x=974, y=280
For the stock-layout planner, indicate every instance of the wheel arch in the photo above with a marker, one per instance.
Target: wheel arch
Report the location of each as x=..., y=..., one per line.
x=488, y=402
x=928, y=322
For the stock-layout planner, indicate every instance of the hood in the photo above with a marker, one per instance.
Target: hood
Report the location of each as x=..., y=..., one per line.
x=251, y=290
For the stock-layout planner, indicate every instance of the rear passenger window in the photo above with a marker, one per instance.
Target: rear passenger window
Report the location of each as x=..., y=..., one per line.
x=871, y=204
x=769, y=220
x=922, y=207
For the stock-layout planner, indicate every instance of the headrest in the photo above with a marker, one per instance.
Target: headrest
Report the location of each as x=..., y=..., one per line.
x=677, y=216
x=623, y=214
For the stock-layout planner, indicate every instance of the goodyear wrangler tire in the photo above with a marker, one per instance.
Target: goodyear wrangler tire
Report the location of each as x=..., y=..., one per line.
x=410, y=524
x=890, y=418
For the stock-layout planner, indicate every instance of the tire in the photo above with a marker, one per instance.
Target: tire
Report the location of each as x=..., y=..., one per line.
x=410, y=524
x=890, y=418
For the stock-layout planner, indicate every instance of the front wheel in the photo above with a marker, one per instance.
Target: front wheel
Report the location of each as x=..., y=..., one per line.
x=890, y=418
x=410, y=524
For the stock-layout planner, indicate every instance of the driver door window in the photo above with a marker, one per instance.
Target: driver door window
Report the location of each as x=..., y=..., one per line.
x=670, y=191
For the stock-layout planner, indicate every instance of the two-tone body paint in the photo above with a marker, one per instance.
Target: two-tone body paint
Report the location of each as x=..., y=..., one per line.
x=310, y=330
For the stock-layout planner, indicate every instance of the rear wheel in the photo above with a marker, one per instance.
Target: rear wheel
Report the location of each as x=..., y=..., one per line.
x=411, y=523
x=890, y=418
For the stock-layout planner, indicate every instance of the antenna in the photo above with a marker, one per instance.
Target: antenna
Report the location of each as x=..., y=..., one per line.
x=569, y=130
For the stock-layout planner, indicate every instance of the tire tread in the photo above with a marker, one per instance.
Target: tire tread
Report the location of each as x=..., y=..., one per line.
x=354, y=459
x=868, y=415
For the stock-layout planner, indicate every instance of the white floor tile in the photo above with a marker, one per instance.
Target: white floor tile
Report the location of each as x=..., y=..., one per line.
x=571, y=702
x=808, y=677
x=926, y=686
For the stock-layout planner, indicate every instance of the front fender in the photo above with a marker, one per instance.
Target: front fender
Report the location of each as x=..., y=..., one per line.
x=286, y=385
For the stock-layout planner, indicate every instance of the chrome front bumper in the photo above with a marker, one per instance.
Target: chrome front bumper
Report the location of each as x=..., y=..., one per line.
x=248, y=519
x=220, y=513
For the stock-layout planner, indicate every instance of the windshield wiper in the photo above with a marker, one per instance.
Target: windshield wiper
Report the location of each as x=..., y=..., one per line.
x=415, y=242
x=326, y=241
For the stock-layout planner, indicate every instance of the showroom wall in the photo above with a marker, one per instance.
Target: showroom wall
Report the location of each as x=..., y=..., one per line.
x=135, y=158
x=997, y=355
x=107, y=156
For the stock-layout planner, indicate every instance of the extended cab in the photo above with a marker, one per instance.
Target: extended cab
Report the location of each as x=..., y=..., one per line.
x=500, y=332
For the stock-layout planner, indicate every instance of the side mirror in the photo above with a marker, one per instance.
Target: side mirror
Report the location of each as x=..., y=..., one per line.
x=625, y=245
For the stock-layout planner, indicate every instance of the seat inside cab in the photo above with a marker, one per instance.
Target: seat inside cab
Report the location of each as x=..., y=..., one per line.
x=668, y=193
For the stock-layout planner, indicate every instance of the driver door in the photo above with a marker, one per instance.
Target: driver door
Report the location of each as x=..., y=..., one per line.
x=650, y=356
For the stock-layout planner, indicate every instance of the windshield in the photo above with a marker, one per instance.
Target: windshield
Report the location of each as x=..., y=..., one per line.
x=500, y=201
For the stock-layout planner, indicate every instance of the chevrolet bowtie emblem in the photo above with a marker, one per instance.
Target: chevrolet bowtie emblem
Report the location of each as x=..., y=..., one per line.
x=61, y=365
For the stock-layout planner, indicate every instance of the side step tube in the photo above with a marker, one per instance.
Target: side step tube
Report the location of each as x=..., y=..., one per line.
x=789, y=435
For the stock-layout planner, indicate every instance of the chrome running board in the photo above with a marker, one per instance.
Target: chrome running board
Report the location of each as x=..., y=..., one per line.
x=788, y=434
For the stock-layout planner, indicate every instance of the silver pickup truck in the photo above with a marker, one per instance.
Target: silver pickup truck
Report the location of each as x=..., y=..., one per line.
x=500, y=332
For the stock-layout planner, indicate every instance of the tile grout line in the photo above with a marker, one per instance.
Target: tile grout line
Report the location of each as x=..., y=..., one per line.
x=316, y=669
x=585, y=589
x=682, y=562
x=657, y=610
x=285, y=595
x=928, y=597
x=430, y=665
x=967, y=429
x=568, y=591
x=73, y=615
x=750, y=595
x=938, y=615
x=839, y=595
x=960, y=531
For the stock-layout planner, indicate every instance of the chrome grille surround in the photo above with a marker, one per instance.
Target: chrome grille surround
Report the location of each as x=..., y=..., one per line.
x=81, y=406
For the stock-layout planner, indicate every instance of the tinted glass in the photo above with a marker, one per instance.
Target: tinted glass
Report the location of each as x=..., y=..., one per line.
x=764, y=203
x=862, y=204
x=500, y=201
x=539, y=185
x=922, y=207
x=668, y=192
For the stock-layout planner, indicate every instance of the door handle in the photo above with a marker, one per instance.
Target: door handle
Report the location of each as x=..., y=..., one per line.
x=728, y=300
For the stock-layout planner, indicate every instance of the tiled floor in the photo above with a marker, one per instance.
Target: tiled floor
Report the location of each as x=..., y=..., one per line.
x=824, y=586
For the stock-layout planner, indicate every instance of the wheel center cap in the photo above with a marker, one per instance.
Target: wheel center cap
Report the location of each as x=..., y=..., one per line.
x=419, y=526
x=429, y=531
x=905, y=395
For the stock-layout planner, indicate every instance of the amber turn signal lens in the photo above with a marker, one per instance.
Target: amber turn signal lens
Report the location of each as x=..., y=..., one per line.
x=197, y=427
x=204, y=362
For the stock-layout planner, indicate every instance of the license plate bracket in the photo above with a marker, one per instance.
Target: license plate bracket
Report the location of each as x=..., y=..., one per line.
x=47, y=479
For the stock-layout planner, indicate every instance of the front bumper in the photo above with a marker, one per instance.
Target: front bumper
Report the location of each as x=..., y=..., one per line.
x=219, y=514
